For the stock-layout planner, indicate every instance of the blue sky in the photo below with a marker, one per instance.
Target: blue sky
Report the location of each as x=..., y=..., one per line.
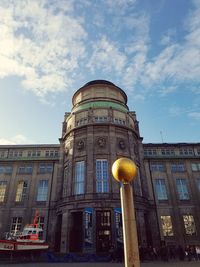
x=49, y=49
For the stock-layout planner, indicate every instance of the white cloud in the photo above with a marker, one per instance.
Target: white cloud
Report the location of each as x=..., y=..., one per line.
x=167, y=90
x=40, y=42
x=107, y=57
x=194, y=115
x=18, y=139
x=178, y=63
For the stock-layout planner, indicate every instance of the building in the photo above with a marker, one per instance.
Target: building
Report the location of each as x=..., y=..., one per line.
x=173, y=175
x=71, y=183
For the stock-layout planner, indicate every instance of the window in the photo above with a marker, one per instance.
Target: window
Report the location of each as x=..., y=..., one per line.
x=182, y=189
x=190, y=228
x=167, y=152
x=82, y=121
x=198, y=184
x=101, y=176
x=186, y=151
x=166, y=223
x=42, y=193
x=119, y=121
x=25, y=169
x=34, y=153
x=178, y=167
x=66, y=175
x=79, y=178
x=2, y=154
x=16, y=224
x=158, y=167
x=41, y=222
x=161, y=189
x=51, y=153
x=103, y=218
x=6, y=169
x=45, y=168
x=3, y=185
x=15, y=154
x=21, y=192
x=100, y=119
x=150, y=152
x=195, y=167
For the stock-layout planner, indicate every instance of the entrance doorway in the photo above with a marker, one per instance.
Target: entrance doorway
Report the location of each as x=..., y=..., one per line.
x=103, y=231
x=76, y=232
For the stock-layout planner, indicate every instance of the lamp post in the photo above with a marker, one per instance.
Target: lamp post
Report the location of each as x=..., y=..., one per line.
x=124, y=171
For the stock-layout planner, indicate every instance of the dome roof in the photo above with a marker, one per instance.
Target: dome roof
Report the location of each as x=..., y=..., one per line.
x=99, y=82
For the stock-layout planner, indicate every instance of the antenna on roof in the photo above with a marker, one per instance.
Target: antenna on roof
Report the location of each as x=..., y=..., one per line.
x=161, y=135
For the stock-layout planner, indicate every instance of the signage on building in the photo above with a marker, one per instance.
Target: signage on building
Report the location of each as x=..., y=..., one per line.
x=118, y=224
x=88, y=227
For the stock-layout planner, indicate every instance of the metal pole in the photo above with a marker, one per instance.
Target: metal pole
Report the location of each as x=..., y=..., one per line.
x=131, y=252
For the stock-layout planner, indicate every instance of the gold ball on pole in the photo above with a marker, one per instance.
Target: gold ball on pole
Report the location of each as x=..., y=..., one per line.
x=124, y=170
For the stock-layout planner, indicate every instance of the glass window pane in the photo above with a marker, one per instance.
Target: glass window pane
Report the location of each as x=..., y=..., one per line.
x=102, y=176
x=42, y=193
x=182, y=189
x=161, y=190
x=190, y=228
x=79, y=179
x=3, y=185
x=167, y=225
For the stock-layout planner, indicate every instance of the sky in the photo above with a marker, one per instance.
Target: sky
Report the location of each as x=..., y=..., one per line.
x=50, y=48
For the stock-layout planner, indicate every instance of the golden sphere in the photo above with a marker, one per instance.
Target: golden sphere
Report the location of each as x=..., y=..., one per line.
x=124, y=170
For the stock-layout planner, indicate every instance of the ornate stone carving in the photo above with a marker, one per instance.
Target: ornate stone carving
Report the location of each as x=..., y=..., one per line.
x=101, y=142
x=122, y=144
x=80, y=145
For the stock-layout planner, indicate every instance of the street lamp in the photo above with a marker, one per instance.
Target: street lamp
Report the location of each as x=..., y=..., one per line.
x=124, y=171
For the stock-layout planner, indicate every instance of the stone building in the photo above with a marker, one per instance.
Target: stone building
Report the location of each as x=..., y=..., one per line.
x=28, y=176
x=173, y=175
x=71, y=184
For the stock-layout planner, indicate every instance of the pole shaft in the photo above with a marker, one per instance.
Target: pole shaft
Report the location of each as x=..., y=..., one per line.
x=131, y=252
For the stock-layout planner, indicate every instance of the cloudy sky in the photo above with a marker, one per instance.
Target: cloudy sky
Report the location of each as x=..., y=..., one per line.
x=50, y=48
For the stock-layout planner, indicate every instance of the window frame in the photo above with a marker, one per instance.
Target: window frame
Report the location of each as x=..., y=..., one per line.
x=102, y=184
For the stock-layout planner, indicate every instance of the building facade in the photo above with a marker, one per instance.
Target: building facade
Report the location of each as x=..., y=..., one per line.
x=173, y=175
x=71, y=184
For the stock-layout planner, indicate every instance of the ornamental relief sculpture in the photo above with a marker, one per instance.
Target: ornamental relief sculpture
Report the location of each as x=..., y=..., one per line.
x=80, y=145
x=122, y=144
x=101, y=142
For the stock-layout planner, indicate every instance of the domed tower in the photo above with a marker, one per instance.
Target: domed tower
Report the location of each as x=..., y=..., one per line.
x=99, y=129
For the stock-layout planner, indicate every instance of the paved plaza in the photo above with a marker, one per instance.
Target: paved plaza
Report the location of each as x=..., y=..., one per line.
x=96, y=264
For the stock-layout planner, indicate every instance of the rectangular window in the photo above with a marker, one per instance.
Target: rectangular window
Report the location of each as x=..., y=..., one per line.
x=158, y=167
x=161, y=190
x=166, y=223
x=66, y=175
x=182, y=189
x=101, y=176
x=167, y=152
x=45, y=168
x=190, y=228
x=6, y=169
x=198, y=184
x=195, y=167
x=3, y=185
x=79, y=179
x=51, y=153
x=42, y=193
x=178, y=167
x=186, y=151
x=21, y=193
x=16, y=224
x=41, y=222
x=15, y=154
x=25, y=169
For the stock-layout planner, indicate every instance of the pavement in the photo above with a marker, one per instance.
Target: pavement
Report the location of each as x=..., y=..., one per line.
x=105, y=264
